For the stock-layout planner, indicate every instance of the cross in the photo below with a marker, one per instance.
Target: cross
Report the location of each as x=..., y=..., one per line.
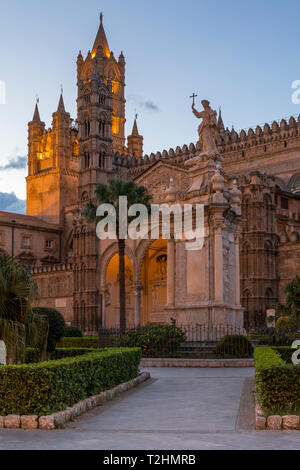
x=193, y=97
x=37, y=99
x=136, y=114
x=61, y=89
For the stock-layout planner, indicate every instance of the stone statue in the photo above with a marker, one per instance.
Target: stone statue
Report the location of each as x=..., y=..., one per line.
x=208, y=129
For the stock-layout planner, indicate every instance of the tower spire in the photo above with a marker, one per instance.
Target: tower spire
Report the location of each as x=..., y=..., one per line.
x=101, y=39
x=61, y=104
x=36, y=115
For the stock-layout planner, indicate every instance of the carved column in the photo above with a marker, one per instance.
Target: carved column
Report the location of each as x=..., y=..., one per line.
x=219, y=263
x=137, y=305
x=171, y=273
x=237, y=238
x=103, y=297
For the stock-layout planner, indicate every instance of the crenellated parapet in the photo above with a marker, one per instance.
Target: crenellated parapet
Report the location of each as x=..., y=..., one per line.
x=262, y=139
x=56, y=268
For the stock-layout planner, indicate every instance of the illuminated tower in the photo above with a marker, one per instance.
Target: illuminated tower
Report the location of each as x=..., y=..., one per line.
x=52, y=171
x=94, y=105
x=135, y=141
x=113, y=71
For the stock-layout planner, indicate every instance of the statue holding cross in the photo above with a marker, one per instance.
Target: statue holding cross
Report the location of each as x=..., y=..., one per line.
x=208, y=129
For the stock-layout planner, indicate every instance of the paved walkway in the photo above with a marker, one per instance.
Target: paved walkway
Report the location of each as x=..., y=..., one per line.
x=189, y=409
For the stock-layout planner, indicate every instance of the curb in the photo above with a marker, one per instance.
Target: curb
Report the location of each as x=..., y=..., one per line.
x=58, y=420
x=199, y=363
x=276, y=422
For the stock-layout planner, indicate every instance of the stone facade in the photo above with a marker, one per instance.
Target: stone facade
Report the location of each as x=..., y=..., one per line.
x=252, y=213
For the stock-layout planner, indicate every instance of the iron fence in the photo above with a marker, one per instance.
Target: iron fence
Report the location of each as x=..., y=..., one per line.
x=158, y=340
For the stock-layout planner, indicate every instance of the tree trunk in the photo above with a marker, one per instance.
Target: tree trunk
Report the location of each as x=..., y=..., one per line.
x=122, y=284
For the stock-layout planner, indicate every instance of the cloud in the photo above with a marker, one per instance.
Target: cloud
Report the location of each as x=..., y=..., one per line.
x=150, y=105
x=15, y=163
x=10, y=203
x=144, y=103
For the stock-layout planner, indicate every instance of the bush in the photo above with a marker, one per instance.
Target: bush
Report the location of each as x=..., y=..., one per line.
x=73, y=332
x=234, y=346
x=32, y=355
x=155, y=340
x=57, y=325
x=87, y=342
x=49, y=387
x=286, y=323
x=62, y=353
x=283, y=336
x=277, y=383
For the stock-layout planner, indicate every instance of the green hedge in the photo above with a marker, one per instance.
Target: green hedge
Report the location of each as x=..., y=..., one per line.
x=155, y=340
x=277, y=383
x=285, y=353
x=234, y=346
x=32, y=355
x=62, y=353
x=48, y=387
x=87, y=342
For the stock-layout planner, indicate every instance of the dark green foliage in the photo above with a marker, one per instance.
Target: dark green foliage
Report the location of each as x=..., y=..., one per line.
x=155, y=340
x=285, y=353
x=62, y=353
x=57, y=325
x=73, y=332
x=48, y=387
x=33, y=355
x=277, y=383
x=18, y=325
x=292, y=305
x=89, y=342
x=234, y=346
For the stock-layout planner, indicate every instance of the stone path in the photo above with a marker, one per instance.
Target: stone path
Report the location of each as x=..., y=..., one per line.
x=189, y=409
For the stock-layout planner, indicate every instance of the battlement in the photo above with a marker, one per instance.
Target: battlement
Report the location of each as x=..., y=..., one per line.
x=248, y=142
x=57, y=268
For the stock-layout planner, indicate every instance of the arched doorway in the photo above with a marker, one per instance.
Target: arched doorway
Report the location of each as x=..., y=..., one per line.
x=154, y=282
x=112, y=293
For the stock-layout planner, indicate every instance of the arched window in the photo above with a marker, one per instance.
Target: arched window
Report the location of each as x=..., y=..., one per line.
x=75, y=149
x=102, y=98
x=102, y=162
x=87, y=160
x=82, y=319
x=269, y=299
x=246, y=260
x=268, y=259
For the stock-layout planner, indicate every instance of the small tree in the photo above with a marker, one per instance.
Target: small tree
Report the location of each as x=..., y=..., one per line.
x=57, y=325
x=292, y=304
x=110, y=194
x=19, y=326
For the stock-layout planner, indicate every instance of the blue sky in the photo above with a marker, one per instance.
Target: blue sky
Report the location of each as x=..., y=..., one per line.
x=241, y=55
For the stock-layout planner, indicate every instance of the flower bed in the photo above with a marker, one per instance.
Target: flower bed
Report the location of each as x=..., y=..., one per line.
x=49, y=387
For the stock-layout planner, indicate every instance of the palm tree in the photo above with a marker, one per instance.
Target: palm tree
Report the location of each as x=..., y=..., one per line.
x=110, y=194
x=18, y=325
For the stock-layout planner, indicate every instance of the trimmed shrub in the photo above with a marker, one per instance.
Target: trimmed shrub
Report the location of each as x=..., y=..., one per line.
x=49, y=387
x=155, y=340
x=57, y=325
x=277, y=383
x=87, y=342
x=234, y=346
x=62, y=353
x=32, y=355
x=73, y=332
x=286, y=323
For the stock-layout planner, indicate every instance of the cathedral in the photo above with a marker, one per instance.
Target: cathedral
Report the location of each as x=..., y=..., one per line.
x=251, y=196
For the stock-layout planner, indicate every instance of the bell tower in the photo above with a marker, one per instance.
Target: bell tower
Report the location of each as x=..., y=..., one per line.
x=110, y=70
x=94, y=105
